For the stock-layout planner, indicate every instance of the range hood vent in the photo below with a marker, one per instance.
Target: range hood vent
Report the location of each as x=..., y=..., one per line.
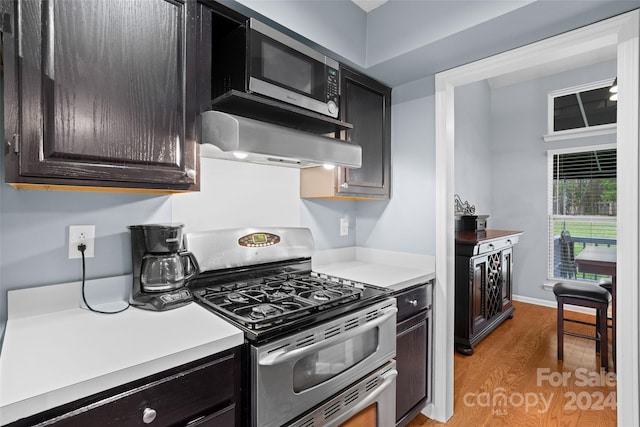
x=227, y=136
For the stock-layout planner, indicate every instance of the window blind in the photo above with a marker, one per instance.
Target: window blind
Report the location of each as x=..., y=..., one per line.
x=582, y=207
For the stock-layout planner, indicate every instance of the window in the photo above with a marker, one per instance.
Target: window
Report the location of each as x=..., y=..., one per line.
x=581, y=206
x=580, y=110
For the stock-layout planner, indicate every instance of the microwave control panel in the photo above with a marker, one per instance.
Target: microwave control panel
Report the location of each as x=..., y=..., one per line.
x=333, y=90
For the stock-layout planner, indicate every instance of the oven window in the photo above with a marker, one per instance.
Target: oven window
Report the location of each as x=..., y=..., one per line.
x=325, y=364
x=282, y=67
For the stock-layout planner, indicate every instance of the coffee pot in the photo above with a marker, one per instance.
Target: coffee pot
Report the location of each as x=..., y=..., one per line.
x=166, y=272
x=161, y=268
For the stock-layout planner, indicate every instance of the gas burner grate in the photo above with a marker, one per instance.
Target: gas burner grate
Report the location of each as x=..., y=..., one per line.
x=274, y=299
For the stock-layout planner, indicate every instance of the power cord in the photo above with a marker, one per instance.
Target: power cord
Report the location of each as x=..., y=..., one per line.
x=82, y=247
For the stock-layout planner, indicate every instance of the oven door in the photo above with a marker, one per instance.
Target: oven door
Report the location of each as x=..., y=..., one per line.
x=296, y=373
x=369, y=402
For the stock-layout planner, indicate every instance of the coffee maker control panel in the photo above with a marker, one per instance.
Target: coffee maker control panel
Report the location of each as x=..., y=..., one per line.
x=176, y=298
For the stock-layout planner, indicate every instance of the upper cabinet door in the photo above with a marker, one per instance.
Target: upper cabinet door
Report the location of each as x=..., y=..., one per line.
x=366, y=104
x=102, y=89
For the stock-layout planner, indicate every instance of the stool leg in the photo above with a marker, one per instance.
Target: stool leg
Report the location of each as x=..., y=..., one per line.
x=560, y=328
x=604, y=337
x=598, y=317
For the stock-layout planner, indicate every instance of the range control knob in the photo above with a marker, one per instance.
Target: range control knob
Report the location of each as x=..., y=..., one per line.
x=333, y=108
x=148, y=415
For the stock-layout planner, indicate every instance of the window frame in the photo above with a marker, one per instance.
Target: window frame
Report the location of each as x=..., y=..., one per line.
x=582, y=218
x=580, y=132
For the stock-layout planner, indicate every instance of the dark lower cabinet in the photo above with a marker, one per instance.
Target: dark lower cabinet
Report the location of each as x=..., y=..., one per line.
x=484, y=284
x=201, y=393
x=413, y=352
x=99, y=94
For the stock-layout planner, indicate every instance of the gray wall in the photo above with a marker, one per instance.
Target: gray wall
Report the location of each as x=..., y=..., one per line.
x=519, y=165
x=406, y=223
x=472, y=151
x=340, y=28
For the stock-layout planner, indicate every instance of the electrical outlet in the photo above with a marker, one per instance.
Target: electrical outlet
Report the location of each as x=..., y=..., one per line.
x=344, y=226
x=82, y=234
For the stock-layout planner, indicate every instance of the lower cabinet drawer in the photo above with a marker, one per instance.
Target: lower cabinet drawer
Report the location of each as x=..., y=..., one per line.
x=204, y=393
x=413, y=300
x=163, y=402
x=223, y=418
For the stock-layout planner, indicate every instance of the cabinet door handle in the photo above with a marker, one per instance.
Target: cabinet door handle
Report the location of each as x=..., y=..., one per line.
x=19, y=19
x=344, y=185
x=190, y=173
x=148, y=415
x=50, y=68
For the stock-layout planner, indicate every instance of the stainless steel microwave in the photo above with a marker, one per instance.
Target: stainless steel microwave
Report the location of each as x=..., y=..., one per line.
x=259, y=59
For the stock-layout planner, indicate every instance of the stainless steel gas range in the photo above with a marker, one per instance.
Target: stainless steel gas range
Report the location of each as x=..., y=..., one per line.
x=320, y=348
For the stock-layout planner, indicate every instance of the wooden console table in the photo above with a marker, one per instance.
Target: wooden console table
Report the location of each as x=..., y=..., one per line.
x=484, y=284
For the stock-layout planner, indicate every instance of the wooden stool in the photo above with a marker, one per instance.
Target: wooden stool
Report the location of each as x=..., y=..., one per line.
x=606, y=284
x=584, y=295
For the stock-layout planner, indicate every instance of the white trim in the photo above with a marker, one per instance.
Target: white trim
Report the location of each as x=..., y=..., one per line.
x=535, y=301
x=581, y=88
x=595, y=36
x=444, y=290
x=586, y=132
x=628, y=273
x=582, y=148
x=553, y=304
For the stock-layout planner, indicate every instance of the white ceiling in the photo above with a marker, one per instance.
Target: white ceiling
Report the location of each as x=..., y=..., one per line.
x=369, y=5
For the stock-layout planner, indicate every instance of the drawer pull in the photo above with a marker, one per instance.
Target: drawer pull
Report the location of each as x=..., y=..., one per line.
x=148, y=415
x=413, y=302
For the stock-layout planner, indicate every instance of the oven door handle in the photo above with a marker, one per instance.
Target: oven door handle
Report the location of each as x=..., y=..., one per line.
x=388, y=378
x=278, y=357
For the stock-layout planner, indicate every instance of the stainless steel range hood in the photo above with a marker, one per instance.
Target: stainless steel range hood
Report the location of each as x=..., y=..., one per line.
x=227, y=136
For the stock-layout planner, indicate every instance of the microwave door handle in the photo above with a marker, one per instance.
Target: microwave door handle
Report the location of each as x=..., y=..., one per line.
x=389, y=377
x=278, y=357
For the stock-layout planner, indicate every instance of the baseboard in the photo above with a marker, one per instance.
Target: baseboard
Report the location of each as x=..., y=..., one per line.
x=552, y=304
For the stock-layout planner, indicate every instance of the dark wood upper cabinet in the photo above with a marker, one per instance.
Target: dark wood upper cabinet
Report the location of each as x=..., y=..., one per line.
x=366, y=104
x=97, y=94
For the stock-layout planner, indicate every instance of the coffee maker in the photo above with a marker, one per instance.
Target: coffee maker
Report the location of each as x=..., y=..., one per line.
x=160, y=267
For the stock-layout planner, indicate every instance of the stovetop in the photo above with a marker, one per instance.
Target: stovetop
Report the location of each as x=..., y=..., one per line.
x=283, y=302
x=261, y=281
x=268, y=301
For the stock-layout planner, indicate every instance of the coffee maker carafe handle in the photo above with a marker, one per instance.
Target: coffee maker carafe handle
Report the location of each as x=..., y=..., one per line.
x=192, y=269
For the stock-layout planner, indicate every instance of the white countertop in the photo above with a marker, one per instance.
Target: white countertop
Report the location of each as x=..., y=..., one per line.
x=389, y=269
x=58, y=352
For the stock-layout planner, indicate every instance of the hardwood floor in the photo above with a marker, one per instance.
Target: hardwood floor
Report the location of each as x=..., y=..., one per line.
x=514, y=379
